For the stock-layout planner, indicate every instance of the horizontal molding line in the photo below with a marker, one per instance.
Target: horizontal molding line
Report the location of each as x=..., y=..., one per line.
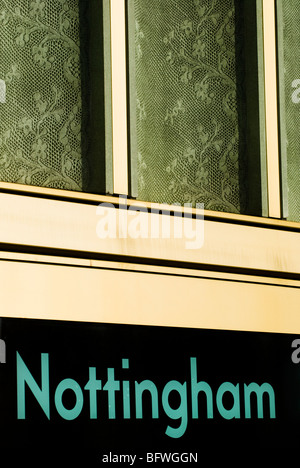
x=148, y=272
x=93, y=199
x=23, y=249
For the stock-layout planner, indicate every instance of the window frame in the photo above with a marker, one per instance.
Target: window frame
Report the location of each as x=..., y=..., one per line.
x=273, y=206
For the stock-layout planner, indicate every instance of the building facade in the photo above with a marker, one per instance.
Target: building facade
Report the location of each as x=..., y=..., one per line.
x=149, y=164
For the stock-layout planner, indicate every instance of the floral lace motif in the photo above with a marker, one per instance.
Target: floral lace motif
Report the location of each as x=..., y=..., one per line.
x=291, y=120
x=189, y=71
x=41, y=123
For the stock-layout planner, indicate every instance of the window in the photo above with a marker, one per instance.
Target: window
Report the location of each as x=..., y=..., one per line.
x=194, y=80
x=288, y=16
x=52, y=114
x=164, y=101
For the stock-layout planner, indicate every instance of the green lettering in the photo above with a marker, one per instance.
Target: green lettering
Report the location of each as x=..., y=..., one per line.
x=259, y=390
x=111, y=387
x=200, y=387
x=139, y=389
x=92, y=386
x=234, y=412
x=175, y=413
x=68, y=384
x=41, y=394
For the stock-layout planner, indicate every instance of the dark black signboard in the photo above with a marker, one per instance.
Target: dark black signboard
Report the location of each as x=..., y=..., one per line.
x=87, y=394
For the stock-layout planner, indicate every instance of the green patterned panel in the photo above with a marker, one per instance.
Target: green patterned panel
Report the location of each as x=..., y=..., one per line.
x=47, y=65
x=288, y=14
x=188, y=102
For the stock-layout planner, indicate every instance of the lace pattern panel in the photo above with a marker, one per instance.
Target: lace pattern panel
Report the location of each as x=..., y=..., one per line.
x=190, y=103
x=290, y=10
x=44, y=121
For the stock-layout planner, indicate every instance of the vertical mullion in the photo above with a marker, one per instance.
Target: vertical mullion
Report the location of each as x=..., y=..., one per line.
x=119, y=96
x=107, y=97
x=271, y=108
x=132, y=98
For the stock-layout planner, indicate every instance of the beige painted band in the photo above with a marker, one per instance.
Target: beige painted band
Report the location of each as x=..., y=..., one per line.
x=115, y=296
x=54, y=224
x=82, y=197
